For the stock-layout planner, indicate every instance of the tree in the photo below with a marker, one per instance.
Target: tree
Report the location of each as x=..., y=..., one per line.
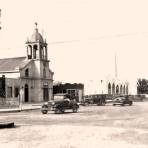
x=142, y=86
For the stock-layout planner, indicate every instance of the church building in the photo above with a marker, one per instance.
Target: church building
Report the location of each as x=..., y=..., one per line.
x=30, y=73
x=108, y=85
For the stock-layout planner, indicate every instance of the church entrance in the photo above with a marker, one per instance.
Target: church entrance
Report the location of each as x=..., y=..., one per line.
x=26, y=93
x=45, y=94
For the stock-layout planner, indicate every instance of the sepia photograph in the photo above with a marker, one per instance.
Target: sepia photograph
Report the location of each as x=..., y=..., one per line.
x=73, y=74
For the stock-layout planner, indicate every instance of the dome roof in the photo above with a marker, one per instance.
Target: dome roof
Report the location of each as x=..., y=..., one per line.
x=36, y=37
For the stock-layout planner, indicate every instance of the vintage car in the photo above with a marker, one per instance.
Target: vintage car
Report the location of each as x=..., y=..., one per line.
x=122, y=100
x=95, y=99
x=60, y=103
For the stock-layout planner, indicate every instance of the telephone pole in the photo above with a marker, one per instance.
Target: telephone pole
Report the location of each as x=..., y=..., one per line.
x=116, y=70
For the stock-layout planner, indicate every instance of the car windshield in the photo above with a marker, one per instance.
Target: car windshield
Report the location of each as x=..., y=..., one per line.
x=58, y=97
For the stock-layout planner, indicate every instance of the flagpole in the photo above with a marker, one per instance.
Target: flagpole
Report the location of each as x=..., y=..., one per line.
x=116, y=72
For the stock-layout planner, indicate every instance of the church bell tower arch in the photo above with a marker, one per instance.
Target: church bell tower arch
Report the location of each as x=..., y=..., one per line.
x=37, y=46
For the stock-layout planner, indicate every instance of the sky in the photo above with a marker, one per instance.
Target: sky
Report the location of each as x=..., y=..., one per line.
x=83, y=36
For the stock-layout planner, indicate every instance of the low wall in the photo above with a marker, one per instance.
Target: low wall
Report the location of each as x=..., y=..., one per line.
x=9, y=102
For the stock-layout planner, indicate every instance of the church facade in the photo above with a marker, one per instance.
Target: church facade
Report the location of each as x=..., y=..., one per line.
x=110, y=86
x=30, y=73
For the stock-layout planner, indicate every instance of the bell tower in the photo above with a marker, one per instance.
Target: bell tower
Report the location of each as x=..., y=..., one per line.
x=37, y=51
x=37, y=46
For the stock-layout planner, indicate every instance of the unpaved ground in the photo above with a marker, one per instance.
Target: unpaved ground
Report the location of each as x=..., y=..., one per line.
x=92, y=127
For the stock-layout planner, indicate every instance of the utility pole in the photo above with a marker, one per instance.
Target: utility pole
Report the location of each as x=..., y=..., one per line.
x=116, y=70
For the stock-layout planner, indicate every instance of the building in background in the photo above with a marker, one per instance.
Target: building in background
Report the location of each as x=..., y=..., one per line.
x=76, y=90
x=30, y=73
x=108, y=85
x=111, y=86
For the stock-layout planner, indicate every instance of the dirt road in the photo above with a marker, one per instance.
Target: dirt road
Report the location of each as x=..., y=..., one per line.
x=92, y=127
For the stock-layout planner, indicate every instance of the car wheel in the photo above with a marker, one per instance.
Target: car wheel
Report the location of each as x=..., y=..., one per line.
x=114, y=104
x=56, y=111
x=122, y=104
x=44, y=111
x=75, y=109
x=91, y=102
x=103, y=103
x=62, y=110
x=131, y=103
x=86, y=104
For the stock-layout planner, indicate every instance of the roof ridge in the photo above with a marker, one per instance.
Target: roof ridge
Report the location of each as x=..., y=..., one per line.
x=24, y=64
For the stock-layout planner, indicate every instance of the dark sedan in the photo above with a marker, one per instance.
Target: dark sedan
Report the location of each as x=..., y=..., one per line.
x=122, y=100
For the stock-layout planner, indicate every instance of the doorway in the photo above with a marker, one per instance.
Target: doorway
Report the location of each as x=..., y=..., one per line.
x=45, y=94
x=26, y=93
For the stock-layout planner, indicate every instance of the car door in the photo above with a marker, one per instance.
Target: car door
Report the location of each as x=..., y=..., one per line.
x=66, y=104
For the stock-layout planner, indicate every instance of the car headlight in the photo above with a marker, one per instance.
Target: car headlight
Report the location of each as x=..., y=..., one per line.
x=53, y=103
x=46, y=103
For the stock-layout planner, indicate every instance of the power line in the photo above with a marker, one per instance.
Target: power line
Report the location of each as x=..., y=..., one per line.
x=99, y=38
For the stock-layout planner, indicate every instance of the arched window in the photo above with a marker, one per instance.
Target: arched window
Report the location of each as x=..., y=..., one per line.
x=44, y=53
x=124, y=89
x=41, y=52
x=29, y=52
x=109, y=88
x=121, y=89
x=27, y=72
x=117, y=89
x=35, y=48
x=113, y=89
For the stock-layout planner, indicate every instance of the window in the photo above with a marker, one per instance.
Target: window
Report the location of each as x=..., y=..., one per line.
x=71, y=92
x=35, y=51
x=16, y=92
x=113, y=89
x=27, y=73
x=29, y=52
x=9, y=92
x=109, y=88
x=117, y=89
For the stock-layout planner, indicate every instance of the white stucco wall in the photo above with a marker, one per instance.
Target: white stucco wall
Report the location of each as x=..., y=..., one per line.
x=11, y=75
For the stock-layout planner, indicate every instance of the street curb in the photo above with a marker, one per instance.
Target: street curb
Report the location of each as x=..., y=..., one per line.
x=17, y=110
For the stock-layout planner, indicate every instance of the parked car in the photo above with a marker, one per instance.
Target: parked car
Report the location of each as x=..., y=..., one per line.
x=95, y=99
x=122, y=100
x=60, y=103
